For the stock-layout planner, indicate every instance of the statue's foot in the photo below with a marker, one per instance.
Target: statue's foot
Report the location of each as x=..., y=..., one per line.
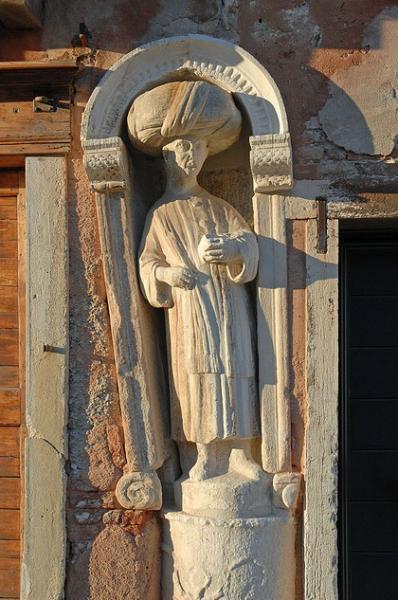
x=204, y=468
x=245, y=465
x=199, y=472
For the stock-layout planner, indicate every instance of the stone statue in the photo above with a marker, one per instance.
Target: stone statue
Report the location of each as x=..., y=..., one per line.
x=197, y=254
x=226, y=532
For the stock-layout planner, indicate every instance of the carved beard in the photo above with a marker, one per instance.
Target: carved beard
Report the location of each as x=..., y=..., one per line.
x=187, y=163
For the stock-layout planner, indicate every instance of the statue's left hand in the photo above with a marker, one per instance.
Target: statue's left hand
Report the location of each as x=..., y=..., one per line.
x=219, y=249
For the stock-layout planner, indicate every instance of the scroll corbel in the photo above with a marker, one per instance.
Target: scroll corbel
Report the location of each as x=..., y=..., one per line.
x=286, y=490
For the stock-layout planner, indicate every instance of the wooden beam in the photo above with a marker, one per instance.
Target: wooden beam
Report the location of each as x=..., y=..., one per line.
x=34, y=74
x=13, y=155
x=13, y=65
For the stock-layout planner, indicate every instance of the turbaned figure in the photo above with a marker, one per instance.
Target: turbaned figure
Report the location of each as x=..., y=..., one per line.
x=196, y=258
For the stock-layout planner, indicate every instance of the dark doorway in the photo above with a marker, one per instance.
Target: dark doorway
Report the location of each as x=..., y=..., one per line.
x=368, y=474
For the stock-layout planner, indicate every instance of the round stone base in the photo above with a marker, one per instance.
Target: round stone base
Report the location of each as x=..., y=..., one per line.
x=229, y=496
x=240, y=559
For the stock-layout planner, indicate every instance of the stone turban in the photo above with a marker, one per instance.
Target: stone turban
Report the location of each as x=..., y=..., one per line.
x=181, y=109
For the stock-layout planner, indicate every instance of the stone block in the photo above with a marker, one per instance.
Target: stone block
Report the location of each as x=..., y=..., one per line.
x=226, y=496
x=230, y=559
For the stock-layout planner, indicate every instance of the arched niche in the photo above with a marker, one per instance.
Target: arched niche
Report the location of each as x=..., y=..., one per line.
x=211, y=59
x=109, y=167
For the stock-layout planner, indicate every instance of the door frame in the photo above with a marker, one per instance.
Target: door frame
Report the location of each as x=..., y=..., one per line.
x=43, y=273
x=46, y=389
x=321, y=494
x=42, y=153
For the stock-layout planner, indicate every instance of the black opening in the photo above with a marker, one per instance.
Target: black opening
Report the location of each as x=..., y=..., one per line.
x=368, y=469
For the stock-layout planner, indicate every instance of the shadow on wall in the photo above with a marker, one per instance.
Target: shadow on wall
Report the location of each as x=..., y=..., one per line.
x=270, y=247
x=274, y=248
x=305, y=45
x=343, y=23
x=344, y=123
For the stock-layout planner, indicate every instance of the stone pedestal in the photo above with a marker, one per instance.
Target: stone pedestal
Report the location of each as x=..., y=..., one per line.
x=228, y=496
x=238, y=559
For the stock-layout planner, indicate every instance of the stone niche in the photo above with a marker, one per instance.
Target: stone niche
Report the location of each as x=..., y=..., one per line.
x=188, y=152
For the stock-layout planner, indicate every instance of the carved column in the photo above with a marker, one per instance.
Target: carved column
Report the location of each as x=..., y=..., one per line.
x=271, y=165
x=140, y=382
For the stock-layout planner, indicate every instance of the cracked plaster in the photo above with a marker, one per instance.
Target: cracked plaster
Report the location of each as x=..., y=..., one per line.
x=215, y=17
x=361, y=114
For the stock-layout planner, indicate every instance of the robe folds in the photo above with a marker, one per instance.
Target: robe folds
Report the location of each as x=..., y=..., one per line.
x=210, y=329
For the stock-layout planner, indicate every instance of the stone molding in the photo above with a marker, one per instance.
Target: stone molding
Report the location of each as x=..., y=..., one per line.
x=321, y=446
x=134, y=338
x=272, y=331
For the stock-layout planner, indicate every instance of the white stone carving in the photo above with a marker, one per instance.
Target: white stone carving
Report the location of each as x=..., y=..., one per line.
x=238, y=72
x=272, y=332
x=197, y=253
x=140, y=490
x=140, y=385
x=211, y=59
x=287, y=487
x=196, y=257
x=107, y=164
x=271, y=162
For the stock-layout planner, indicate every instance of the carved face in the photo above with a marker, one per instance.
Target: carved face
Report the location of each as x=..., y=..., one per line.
x=188, y=155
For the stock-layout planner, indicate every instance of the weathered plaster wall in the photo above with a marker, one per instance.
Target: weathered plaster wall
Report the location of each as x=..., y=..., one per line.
x=335, y=64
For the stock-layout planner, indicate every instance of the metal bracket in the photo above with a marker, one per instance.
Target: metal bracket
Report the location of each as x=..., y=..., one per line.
x=44, y=104
x=107, y=186
x=322, y=223
x=54, y=349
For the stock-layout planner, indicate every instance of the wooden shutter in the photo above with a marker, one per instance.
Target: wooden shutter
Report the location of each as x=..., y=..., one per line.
x=11, y=378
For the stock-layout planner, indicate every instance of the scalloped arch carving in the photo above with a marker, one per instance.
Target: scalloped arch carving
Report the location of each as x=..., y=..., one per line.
x=211, y=59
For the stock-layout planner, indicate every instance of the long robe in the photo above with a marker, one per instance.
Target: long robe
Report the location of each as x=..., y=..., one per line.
x=210, y=334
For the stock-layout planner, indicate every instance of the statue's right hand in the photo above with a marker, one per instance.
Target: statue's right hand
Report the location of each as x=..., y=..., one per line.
x=181, y=277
